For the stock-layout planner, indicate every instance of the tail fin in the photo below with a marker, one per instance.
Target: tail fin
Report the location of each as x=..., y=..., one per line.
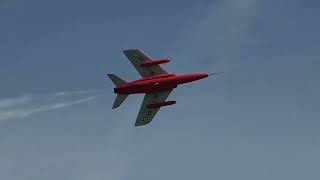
x=119, y=100
x=116, y=80
x=120, y=97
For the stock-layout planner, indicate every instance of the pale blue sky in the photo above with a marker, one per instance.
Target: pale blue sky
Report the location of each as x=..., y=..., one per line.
x=259, y=120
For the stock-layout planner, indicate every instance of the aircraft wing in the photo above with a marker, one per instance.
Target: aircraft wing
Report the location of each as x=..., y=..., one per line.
x=136, y=57
x=146, y=115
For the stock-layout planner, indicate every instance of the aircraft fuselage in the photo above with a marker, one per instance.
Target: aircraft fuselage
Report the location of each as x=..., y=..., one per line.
x=157, y=83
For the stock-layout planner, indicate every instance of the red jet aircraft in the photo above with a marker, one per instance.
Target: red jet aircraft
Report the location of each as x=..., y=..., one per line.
x=156, y=84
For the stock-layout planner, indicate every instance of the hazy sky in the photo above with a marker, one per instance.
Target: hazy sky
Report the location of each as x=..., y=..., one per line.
x=259, y=120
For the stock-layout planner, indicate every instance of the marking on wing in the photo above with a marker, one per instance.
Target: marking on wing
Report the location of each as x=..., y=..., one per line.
x=145, y=119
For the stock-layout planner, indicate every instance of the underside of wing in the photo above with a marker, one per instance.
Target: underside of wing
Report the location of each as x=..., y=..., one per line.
x=146, y=114
x=137, y=57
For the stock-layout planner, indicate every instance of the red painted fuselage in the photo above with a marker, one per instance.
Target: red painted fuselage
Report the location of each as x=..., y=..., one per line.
x=157, y=83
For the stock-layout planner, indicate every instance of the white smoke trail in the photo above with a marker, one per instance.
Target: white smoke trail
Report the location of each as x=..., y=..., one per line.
x=65, y=93
x=8, y=102
x=25, y=106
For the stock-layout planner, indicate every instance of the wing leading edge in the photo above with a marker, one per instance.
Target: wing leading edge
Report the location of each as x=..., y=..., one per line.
x=136, y=57
x=146, y=115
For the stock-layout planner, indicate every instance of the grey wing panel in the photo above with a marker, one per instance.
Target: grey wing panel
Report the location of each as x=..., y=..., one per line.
x=136, y=57
x=146, y=115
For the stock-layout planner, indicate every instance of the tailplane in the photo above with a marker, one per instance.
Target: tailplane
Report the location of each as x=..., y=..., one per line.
x=119, y=100
x=120, y=97
x=116, y=80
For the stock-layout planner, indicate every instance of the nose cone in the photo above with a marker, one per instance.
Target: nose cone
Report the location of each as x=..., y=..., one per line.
x=199, y=76
x=204, y=75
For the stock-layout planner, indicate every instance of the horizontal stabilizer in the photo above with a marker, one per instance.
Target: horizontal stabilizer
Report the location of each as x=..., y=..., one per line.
x=116, y=80
x=119, y=100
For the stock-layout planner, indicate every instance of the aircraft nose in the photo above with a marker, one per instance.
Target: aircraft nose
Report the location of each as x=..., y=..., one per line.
x=200, y=76
x=203, y=75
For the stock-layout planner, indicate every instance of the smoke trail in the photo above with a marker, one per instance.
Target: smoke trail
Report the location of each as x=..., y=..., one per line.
x=27, y=105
